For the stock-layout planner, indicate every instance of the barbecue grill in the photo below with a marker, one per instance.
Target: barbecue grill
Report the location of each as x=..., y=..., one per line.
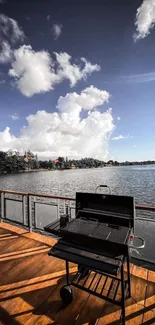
x=98, y=240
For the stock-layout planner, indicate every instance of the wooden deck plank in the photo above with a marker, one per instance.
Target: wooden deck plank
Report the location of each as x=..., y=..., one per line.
x=93, y=306
x=4, y=235
x=151, y=276
x=46, y=311
x=21, y=297
x=2, y=231
x=111, y=314
x=19, y=239
x=133, y=308
x=8, y=227
x=30, y=296
x=54, y=311
x=30, y=282
x=41, y=238
x=18, y=243
x=17, y=256
x=24, y=267
x=6, y=256
x=149, y=310
x=5, y=227
x=139, y=272
x=79, y=305
x=34, y=292
x=11, y=266
x=135, y=305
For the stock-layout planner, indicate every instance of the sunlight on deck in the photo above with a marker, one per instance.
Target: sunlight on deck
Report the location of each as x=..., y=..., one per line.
x=30, y=282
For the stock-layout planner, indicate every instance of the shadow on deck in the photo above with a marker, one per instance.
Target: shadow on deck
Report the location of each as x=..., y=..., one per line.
x=30, y=281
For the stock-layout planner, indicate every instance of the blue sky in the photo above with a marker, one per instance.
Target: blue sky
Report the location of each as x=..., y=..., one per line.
x=101, y=32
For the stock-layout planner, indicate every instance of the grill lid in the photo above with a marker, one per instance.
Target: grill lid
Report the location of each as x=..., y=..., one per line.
x=114, y=205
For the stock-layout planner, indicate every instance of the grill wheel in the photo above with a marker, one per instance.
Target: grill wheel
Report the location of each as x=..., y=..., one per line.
x=66, y=294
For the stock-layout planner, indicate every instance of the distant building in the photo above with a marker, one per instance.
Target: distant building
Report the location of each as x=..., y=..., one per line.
x=26, y=157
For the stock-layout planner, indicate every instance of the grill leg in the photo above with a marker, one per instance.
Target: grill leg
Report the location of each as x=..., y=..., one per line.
x=128, y=271
x=123, y=294
x=67, y=272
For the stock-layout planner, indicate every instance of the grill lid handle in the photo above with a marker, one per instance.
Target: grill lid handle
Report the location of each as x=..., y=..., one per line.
x=103, y=186
x=138, y=247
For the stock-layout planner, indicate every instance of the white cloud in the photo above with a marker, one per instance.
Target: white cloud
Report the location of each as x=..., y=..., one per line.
x=145, y=19
x=120, y=137
x=14, y=117
x=35, y=72
x=9, y=30
x=88, y=99
x=57, y=30
x=48, y=17
x=71, y=71
x=5, y=53
x=138, y=78
x=32, y=71
x=118, y=118
x=7, y=140
x=10, y=34
x=64, y=132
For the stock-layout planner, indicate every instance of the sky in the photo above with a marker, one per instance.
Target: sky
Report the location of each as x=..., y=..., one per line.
x=77, y=78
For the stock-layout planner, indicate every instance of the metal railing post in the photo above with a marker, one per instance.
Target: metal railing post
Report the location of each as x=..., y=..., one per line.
x=34, y=212
x=30, y=213
x=24, y=210
x=2, y=207
x=64, y=207
x=58, y=209
x=70, y=210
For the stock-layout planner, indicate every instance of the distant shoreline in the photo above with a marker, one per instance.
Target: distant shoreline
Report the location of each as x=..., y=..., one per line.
x=26, y=171
x=61, y=169
x=35, y=170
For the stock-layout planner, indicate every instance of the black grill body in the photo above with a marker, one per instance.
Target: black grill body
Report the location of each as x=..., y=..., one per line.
x=101, y=222
x=97, y=240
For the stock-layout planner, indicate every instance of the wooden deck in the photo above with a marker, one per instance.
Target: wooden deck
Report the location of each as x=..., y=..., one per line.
x=30, y=281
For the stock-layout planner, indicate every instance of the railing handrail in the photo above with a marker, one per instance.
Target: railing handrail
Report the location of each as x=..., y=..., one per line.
x=145, y=207
x=52, y=196
x=14, y=192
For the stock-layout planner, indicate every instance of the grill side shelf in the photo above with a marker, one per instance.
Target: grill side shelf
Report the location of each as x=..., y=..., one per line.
x=53, y=227
x=85, y=258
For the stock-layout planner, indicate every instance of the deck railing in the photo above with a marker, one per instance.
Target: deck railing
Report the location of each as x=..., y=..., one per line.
x=35, y=211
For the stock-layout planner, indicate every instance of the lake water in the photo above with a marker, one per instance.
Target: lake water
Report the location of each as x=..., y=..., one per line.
x=137, y=181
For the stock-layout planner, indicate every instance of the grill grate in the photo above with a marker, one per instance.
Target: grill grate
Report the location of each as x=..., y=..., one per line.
x=95, y=230
x=80, y=226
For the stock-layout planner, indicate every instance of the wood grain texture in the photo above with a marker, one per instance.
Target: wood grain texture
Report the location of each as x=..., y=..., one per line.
x=149, y=310
x=30, y=283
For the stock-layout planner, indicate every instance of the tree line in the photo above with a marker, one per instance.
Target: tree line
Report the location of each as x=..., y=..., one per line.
x=13, y=161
